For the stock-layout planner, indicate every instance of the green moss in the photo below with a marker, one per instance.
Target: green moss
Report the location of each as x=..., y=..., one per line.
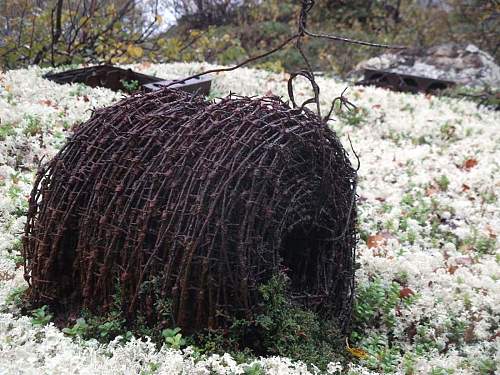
x=33, y=126
x=6, y=130
x=443, y=182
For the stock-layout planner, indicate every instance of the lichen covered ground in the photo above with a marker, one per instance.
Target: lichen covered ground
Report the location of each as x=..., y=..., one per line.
x=428, y=289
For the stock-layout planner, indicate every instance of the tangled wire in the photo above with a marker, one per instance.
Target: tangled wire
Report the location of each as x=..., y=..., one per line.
x=205, y=200
x=168, y=197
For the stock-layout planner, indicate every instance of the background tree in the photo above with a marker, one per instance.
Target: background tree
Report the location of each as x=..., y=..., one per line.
x=55, y=32
x=74, y=31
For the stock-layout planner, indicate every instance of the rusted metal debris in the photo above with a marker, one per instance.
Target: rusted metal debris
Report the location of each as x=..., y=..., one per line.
x=115, y=78
x=107, y=76
x=197, y=85
x=168, y=197
x=403, y=82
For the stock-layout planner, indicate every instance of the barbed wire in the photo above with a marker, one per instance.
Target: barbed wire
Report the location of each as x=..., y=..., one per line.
x=168, y=195
x=201, y=200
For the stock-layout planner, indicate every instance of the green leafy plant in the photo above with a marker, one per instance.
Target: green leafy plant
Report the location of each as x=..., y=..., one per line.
x=254, y=369
x=153, y=368
x=375, y=304
x=354, y=117
x=480, y=243
x=292, y=331
x=34, y=126
x=280, y=328
x=440, y=371
x=486, y=366
x=111, y=328
x=443, y=182
x=130, y=86
x=425, y=341
x=485, y=245
x=41, y=316
x=448, y=131
x=6, y=130
x=173, y=338
x=80, y=328
x=79, y=89
x=382, y=356
x=14, y=254
x=15, y=296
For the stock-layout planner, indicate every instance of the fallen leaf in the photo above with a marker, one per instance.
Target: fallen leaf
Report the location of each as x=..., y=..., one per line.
x=376, y=240
x=470, y=163
x=405, y=293
x=357, y=352
x=431, y=190
x=465, y=187
x=46, y=102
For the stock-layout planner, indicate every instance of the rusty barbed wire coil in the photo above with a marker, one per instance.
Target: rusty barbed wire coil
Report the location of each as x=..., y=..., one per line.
x=206, y=200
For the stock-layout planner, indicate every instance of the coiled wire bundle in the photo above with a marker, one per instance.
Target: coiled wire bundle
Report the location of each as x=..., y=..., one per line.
x=204, y=200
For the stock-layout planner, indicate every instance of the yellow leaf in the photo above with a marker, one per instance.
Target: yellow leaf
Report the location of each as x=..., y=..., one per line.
x=195, y=33
x=358, y=353
x=159, y=19
x=134, y=51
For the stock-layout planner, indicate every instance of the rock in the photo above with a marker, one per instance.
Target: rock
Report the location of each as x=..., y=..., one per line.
x=464, y=64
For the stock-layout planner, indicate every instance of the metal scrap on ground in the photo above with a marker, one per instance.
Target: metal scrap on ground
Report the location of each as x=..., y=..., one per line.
x=117, y=79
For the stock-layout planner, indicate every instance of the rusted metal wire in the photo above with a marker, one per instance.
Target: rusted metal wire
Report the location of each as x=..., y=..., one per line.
x=208, y=200
x=204, y=200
